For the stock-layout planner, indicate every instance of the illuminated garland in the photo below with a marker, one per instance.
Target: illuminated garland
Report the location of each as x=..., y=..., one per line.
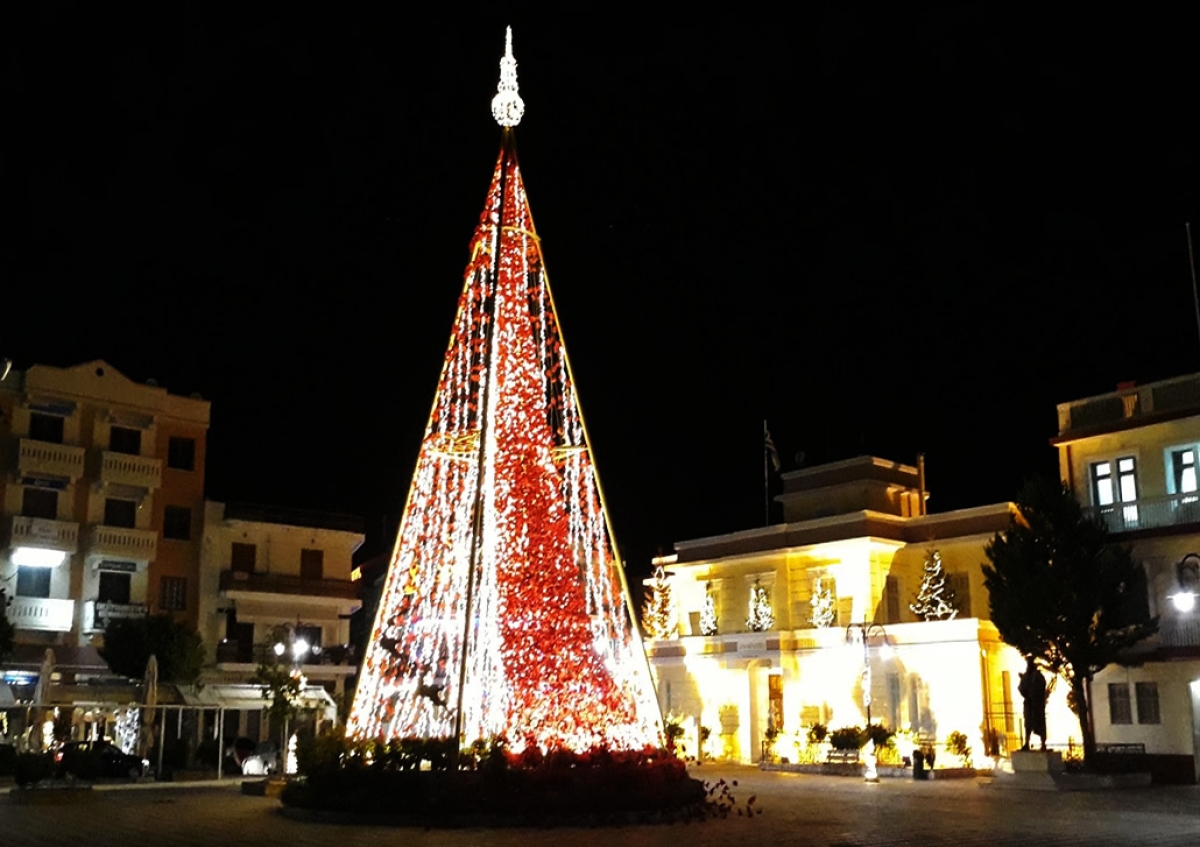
x=552, y=656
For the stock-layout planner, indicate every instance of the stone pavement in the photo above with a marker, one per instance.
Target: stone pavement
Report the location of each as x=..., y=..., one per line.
x=798, y=810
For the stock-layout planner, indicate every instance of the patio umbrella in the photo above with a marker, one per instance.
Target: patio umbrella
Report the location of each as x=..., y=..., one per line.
x=42, y=691
x=150, y=700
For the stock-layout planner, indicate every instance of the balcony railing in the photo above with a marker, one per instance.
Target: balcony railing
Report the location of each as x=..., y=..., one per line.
x=1149, y=513
x=119, y=542
x=283, y=584
x=48, y=459
x=42, y=613
x=230, y=651
x=40, y=532
x=1168, y=396
x=1183, y=631
x=98, y=613
x=124, y=469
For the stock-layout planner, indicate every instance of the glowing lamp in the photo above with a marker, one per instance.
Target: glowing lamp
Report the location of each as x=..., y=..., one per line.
x=37, y=557
x=1184, y=601
x=279, y=649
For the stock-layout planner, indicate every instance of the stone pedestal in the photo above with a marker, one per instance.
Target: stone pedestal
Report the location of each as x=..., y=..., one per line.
x=1033, y=770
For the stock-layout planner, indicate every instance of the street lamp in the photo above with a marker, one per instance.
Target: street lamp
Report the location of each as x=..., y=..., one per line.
x=1187, y=576
x=866, y=630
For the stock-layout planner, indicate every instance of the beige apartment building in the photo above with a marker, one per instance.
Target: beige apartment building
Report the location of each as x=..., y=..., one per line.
x=101, y=504
x=1131, y=456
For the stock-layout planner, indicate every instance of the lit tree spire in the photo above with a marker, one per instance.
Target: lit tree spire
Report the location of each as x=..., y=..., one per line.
x=507, y=105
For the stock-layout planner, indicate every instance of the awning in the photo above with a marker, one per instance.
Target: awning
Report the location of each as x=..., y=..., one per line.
x=250, y=698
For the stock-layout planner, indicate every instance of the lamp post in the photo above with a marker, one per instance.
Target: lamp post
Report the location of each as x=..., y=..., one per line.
x=1187, y=576
x=297, y=648
x=866, y=630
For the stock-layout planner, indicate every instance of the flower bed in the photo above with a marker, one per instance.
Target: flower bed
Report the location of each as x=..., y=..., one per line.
x=385, y=783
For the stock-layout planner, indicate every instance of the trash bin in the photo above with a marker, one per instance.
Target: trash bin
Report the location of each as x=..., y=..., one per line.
x=918, y=760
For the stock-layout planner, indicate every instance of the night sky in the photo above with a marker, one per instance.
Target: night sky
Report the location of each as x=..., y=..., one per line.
x=884, y=233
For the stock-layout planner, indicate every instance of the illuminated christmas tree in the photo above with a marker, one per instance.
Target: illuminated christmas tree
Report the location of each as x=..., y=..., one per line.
x=657, y=615
x=821, y=602
x=505, y=610
x=762, y=617
x=935, y=599
x=708, y=615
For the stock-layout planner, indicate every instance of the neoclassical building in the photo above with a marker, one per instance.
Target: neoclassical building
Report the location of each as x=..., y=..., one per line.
x=791, y=624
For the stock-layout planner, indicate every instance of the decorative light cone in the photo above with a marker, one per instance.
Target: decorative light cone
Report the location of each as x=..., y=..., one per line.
x=505, y=610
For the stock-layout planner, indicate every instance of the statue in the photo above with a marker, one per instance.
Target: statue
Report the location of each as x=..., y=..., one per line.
x=1033, y=690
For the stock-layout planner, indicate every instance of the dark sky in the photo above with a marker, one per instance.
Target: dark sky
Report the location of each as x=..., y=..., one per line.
x=885, y=233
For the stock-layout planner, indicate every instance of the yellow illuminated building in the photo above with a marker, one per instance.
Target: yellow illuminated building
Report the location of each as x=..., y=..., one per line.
x=846, y=562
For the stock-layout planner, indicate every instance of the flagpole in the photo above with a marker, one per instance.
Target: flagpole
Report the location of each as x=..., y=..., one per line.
x=766, y=479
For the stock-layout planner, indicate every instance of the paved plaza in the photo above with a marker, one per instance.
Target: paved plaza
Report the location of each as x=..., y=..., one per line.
x=797, y=810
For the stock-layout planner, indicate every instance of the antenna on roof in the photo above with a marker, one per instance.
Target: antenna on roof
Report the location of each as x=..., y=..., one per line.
x=1192, y=264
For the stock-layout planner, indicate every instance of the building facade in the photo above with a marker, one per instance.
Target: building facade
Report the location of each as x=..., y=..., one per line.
x=1130, y=456
x=101, y=504
x=808, y=621
x=272, y=576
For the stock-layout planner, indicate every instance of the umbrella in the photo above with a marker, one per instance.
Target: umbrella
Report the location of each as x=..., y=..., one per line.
x=42, y=691
x=150, y=700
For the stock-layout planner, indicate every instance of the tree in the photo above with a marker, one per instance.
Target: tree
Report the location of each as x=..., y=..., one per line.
x=1062, y=594
x=935, y=600
x=656, y=613
x=282, y=687
x=7, y=630
x=761, y=618
x=130, y=642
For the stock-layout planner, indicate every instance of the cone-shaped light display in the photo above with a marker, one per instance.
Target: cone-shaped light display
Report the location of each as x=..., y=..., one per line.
x=505, y=611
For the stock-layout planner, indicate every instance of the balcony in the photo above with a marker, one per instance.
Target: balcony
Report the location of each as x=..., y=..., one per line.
x=269, y=583
x=98, y=613
x=42, y=614
x=232, y=652
x=1148, y=513
x=124, y=469
x=1106, y=411
x=42, y=458
x=121, y=543
x=39, y=532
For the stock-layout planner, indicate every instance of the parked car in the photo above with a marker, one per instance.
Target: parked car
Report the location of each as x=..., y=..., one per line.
x=92, y=759
x=263, y=762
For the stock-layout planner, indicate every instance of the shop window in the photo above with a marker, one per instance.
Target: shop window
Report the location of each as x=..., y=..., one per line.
x=33, y=582
x=1147, y=702
x=118, y=512
x=172, y=594
x=39, y=503
x=1119, y=707
x=124, y=440
x=43, y=427
x=177, y=523
x=181, y=453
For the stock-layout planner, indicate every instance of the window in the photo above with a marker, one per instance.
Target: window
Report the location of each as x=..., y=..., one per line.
x=1107, y=489
x=242, y=558
x=891, y=591
x=43, y=427
x=1147, y=702
x=119, y=512
x=172, y=594
x=114, y=587
x=312, y=564
x=177, y=523
x=1119, y=711
x=39, y=503
x=124, y=440
x=181, y=453
x=1183, y=469
x=960, y=585
x=33, y=582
